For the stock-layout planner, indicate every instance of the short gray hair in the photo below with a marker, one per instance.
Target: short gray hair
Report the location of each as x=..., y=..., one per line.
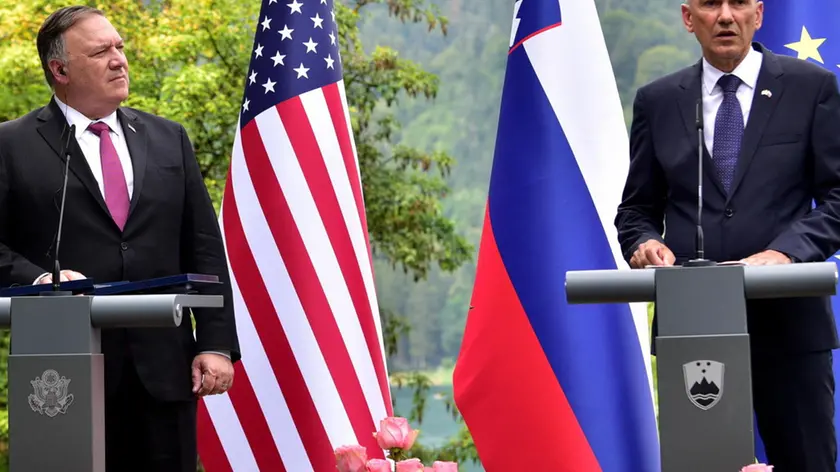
x=50, y=40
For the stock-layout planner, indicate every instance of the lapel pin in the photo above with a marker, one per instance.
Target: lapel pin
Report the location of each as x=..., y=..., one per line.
x=132, y=127
x=766, y=93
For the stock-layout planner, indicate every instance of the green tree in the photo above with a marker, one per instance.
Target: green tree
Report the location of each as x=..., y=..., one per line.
x=659, y=61
x=188, y=62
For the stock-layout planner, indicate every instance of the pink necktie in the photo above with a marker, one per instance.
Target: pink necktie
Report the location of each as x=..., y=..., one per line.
x=116, y=190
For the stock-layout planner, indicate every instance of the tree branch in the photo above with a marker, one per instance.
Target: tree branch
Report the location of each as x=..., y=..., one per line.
x=230, y=68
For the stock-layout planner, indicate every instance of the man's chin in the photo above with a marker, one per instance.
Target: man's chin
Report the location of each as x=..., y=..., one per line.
x=728, y=52
x=120, y=95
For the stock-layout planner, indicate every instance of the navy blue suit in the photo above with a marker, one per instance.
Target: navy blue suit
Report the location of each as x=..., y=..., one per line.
x=790, y=155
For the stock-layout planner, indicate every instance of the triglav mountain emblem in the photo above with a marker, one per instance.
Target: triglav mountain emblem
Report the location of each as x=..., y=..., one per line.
x=703, y=382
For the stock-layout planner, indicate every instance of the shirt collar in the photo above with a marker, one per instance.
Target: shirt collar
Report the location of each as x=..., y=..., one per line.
x=747, y=71
x=74, y=117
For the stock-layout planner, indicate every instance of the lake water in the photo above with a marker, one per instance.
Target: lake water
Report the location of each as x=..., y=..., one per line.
x=438, y=425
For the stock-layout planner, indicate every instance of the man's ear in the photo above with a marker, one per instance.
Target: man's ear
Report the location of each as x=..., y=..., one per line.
x=59, y=72
x=688, y=21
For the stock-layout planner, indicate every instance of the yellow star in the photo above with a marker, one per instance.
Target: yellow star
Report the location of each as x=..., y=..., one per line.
x=806, y=47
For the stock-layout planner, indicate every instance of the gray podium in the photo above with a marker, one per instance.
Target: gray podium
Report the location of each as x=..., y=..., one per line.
x=702, y=347
x=56, y=371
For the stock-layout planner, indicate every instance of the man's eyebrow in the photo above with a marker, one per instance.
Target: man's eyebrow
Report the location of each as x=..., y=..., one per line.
x=107, y=44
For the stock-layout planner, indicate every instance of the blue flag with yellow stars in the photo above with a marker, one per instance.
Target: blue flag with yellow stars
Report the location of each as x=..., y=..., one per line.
x=808, y=30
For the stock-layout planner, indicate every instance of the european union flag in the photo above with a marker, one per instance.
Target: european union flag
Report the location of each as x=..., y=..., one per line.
x=808, y=30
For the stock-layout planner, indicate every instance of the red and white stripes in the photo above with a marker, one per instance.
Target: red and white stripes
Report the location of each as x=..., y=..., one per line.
x=313, y=374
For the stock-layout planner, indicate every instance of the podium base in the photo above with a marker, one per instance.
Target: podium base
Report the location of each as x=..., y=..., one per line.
x=699, y=263
x=57, y=413
x=705, y=403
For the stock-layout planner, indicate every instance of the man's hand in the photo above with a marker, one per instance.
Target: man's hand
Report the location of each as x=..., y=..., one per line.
x=768, y=257
x=652, y=252
x=211, y=374
x=65, y=276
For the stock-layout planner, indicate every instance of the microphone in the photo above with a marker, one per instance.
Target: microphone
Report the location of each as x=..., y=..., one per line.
x=700, y=259
x=56, y=270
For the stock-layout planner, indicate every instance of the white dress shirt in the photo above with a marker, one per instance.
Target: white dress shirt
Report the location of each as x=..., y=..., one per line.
x=89, y=142
x=747, y=71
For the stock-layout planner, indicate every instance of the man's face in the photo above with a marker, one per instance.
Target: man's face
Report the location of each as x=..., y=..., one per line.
x=724, y=28
x=97, y=69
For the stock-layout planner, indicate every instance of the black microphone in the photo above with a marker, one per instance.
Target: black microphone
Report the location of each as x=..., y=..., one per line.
x=700, y=259
x=56, y=271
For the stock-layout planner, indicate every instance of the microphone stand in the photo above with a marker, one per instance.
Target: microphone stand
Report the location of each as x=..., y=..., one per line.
x=56, y=270
x=700, y=259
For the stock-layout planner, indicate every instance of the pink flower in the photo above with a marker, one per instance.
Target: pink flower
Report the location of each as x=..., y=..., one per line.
x=757, y=468
x=350, y=458
x=440, y=466
x=378, y=465
x=410, y=465
x=395, y=433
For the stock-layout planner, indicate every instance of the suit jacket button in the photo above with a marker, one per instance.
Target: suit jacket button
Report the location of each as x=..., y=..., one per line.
x=124, y=246
x=729, y=212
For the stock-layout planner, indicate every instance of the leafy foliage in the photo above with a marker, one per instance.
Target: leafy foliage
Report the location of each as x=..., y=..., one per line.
x=402, y=185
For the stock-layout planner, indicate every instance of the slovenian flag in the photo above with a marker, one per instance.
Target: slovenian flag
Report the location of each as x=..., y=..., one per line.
x=541, y=383
x=808, y=30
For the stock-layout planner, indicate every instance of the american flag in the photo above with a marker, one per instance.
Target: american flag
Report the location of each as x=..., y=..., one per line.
x=312, y=375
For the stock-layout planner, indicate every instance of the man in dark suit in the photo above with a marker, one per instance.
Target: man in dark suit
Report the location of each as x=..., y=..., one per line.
x=772, y=146
x=137, y=208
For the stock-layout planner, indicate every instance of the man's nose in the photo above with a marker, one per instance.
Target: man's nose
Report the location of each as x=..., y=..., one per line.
x=118, y=62
x=725, y=14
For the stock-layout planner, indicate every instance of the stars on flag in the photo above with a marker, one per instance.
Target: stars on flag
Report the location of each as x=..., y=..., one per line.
x=301, y=71
x=285, y=33
x=295, y=50
x=317, y=21
x=269, y=85
x=295, y=6
x=807, y=47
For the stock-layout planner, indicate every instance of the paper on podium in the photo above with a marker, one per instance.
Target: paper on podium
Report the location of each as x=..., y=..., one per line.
x=727, y=263
x=182, y=283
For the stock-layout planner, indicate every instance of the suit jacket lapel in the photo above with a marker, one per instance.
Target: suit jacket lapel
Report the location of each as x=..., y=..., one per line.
x=52, y=129
x=135, y=138
x=761, y=110
x=692, y=92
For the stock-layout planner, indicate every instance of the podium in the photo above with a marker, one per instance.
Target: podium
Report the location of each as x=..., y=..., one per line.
x=56, y=366
x=703, y=349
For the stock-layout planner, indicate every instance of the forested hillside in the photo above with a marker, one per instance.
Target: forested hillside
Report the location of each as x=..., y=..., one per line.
x=645, y=38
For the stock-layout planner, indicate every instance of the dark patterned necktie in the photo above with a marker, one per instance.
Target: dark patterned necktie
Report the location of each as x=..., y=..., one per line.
x=729, y=129
x=116, y=190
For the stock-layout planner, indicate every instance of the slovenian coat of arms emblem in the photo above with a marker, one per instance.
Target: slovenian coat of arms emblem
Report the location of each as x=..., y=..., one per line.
x=703, y=382
x=50, y=397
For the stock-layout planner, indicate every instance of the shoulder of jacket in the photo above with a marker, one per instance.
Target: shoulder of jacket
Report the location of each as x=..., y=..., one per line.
x=149, y=118
x=20, y=123
x=666, y=87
